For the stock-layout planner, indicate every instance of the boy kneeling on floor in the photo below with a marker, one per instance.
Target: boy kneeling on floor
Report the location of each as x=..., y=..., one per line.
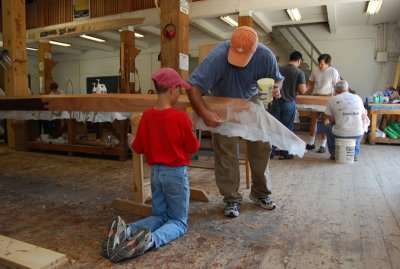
x=165, y=137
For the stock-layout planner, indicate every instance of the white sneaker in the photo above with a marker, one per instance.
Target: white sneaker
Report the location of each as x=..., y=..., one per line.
x=266, y=202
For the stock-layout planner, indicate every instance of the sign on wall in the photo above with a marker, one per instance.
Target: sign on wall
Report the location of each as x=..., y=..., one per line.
x=81, y=9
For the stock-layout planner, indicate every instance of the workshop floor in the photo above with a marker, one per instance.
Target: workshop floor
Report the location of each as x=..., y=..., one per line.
x=329, y=215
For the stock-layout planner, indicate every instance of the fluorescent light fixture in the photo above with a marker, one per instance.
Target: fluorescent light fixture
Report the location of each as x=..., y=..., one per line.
x=294, y=14
x=229, y=21
x=29, y=48
x=92, y=38
x=59, y=43
x=374, y=6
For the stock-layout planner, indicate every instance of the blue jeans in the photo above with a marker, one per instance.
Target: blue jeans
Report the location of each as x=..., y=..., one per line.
x=330, y=136
x=170, y=204
x=285, y=112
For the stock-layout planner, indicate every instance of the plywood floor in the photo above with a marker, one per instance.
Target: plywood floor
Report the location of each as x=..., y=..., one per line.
x=329, y=215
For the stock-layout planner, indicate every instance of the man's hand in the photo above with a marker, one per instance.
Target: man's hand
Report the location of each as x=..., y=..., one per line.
x=211, y=119
x=276, y=92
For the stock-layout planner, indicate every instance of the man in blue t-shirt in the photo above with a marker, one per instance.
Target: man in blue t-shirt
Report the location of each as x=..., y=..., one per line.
x=231, y=70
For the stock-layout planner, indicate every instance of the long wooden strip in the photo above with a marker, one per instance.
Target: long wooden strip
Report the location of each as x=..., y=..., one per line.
x=111, y=103
x=126, y=102
x=18, y=254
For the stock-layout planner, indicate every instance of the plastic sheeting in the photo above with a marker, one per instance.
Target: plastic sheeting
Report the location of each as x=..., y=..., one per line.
x=53, y=115
x=256, y=124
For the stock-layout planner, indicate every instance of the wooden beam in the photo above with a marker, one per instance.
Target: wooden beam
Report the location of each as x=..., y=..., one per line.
x=16, y=74
x=76, y=28
x=245, y=19
x=14, y=41
x=113, y=103
x=128, y=53
x=46, y=65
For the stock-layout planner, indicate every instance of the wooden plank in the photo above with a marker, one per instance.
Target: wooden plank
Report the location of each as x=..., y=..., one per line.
x=198, y=195
x=113, y=103
x=137, y=164
x=386, y=140
x=132, y=207
x=18, y=254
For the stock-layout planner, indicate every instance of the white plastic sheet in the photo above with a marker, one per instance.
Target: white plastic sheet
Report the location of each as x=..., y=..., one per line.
x=54, y=115
x=256, y=124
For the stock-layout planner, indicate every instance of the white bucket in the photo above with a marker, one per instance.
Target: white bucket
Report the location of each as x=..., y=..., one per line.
x=344, y=150
x=265, y=86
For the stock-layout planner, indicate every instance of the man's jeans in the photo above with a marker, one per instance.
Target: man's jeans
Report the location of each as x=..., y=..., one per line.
x=285, y=112
x=170, y=204
x=331, y=139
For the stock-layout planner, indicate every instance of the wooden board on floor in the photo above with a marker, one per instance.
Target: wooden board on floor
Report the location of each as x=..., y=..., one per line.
x=18, y=254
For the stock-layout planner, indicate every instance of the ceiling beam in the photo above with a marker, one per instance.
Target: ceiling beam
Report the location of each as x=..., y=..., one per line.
x=331, y=11
x=155, y=30
x=262, y=21
x=210, y=29
x=216, y=8
x=115, y=36
x=64, y=50
x=81, y=27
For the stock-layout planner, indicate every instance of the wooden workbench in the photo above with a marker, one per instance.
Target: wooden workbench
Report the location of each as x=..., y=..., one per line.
x=381, y=109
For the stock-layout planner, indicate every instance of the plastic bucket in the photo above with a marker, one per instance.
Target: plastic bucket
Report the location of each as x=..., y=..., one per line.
x=344, y=150
x=265, y=87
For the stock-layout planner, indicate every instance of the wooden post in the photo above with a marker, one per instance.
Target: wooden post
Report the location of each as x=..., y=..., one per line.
x=128, y=53
x=245, y=19
x=46, y=64
x=175, y=36
x=16, y=76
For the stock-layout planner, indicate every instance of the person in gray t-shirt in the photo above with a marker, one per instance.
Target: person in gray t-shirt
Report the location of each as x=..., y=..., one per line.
x=284, y=108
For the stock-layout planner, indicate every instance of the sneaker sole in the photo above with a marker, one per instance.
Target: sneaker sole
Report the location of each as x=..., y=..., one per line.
x=255, y=200
x=232, y=214
x=142, y=237
x=108, y=243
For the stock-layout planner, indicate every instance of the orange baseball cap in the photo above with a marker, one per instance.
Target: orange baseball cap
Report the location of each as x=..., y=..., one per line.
x=243, y=45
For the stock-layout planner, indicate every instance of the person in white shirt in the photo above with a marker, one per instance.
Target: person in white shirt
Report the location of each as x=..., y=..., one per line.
x=322, y=81
x=2, y=93
x=346, y=115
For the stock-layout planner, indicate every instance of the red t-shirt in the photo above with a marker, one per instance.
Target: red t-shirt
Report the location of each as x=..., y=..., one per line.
x=165, y=137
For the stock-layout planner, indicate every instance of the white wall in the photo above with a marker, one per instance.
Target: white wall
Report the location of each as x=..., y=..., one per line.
x=353, y=53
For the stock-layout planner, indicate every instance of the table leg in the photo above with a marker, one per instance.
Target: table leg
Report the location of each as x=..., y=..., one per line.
x=372, y=135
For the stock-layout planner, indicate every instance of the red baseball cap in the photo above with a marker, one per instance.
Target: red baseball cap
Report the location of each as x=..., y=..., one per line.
x=243, y=45
x=167, y=77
